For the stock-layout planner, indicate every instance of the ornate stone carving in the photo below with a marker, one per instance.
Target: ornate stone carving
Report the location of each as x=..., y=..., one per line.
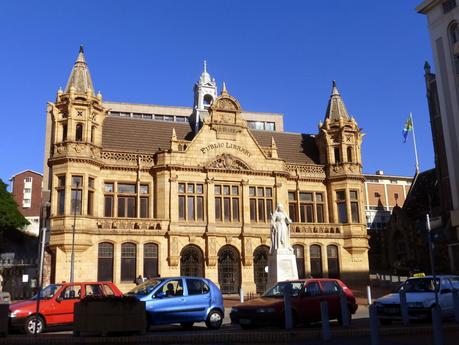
x=126, y=158
x=227, y=161
x=306, y=169
x=226, y=104
x=315, y=229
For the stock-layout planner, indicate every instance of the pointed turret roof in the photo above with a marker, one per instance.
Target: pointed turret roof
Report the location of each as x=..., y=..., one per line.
x=336, y=108
x=80, y=78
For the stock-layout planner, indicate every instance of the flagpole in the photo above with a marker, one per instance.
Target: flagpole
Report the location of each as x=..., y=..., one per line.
x=414, y=143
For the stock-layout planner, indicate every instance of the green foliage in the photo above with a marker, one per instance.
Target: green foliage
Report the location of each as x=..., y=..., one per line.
x=10, y=217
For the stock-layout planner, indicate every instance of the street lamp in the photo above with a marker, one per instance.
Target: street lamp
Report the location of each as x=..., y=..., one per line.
x=72, y=257
x=42, y=243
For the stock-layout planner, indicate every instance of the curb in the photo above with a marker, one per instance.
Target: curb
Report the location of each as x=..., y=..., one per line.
x=222, y=337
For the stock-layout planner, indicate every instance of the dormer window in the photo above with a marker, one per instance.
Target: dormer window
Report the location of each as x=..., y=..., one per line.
x=207, y=101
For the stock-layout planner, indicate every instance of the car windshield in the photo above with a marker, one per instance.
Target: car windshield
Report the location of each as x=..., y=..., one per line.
x=279, y=289
x=145, y=288
x=48, y=292
x=420, y=285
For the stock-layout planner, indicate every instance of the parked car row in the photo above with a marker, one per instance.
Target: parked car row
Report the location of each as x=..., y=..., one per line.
x=183, y=300
x=186, y=300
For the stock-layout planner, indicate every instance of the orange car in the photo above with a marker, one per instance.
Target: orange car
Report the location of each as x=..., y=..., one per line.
x=56, y=305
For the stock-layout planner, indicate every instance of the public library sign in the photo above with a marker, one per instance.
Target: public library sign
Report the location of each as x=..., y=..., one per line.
x=226, y=145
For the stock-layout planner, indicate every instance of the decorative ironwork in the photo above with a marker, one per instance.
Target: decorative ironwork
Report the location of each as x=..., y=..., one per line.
x=260, y=261
x=191, y=262
x=229, y=270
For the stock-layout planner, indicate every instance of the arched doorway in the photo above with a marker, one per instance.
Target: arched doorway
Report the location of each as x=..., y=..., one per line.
x=260, y=261
x=229, y=270
x=191, y=261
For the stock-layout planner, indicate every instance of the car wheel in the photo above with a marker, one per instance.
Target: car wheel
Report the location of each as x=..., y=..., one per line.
x=187, y=325
x=385, y=322
x=29, y=326
x=214, y=319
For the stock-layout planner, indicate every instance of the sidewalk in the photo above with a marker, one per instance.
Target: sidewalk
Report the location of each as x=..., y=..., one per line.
x=235, y=335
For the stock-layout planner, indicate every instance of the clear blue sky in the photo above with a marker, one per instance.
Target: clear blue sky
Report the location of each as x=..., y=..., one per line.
x=275, y=56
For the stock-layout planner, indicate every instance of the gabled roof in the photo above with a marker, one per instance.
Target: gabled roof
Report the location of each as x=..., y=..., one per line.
x=24, y=171
x=132, y=135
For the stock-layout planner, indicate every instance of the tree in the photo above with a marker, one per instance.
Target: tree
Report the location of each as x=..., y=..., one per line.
x=10, y=217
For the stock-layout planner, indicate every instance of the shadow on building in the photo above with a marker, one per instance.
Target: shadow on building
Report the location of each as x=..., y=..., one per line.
x=403, y=245
x=18, y=263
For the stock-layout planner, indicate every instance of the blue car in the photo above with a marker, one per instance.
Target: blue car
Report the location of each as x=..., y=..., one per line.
x=183, y=300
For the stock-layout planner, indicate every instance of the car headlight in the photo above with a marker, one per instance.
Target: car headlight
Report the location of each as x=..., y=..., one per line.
x=415, y=305
x=13, y=314
x=266, y=310
x=233, y=309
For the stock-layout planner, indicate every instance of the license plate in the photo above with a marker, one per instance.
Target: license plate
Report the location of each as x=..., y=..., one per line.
x=244, y=321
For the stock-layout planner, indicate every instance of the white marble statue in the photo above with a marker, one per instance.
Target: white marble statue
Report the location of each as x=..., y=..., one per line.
x=280, y=230
x=281, y=260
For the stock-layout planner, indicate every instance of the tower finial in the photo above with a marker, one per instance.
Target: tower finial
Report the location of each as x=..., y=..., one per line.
x=334, y=83
x=205, y=66
x=224, y=90
x=81, y=48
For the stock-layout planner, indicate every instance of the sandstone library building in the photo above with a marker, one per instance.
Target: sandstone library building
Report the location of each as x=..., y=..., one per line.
x=164, y=190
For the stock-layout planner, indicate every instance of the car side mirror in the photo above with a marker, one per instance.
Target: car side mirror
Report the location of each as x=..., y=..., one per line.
x=445, y=291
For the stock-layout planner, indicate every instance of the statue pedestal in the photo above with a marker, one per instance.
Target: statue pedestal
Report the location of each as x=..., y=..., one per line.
x=281, y=266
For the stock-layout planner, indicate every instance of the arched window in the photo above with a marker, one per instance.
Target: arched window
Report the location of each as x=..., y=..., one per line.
x=93, y=133
x=105, y=262
x=333, y=262
x=207, y=100
x=229, y=270
x=128, y=262
x=349, y=154
x=315, y=254
x=79, y=132
x=64, y=132
x=299, y=254
x=191, y=261
x=337, y=155
x=260, y=262
x=150, y=260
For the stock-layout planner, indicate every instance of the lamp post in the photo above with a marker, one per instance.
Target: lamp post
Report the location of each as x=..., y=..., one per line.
x=72, y=257
x=42, y=244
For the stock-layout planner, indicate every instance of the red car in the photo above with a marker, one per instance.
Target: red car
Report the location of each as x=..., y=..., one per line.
x=56, y=305
x=306, y=297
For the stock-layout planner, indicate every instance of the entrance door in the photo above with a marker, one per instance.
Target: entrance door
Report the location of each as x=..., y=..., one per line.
x=229, y=270
x=260, y=261
x=191, y=262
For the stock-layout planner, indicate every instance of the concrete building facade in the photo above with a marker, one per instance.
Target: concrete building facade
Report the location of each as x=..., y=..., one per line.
x=443, y=96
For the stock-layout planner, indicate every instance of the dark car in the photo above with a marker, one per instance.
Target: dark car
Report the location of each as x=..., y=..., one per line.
x=306, y=297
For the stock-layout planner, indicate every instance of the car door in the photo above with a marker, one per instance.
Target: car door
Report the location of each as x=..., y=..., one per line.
x=197, y=299
x=64, y=304
x=330, y=291
x=168, y=304
x=445, y=297
x=309, y=302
